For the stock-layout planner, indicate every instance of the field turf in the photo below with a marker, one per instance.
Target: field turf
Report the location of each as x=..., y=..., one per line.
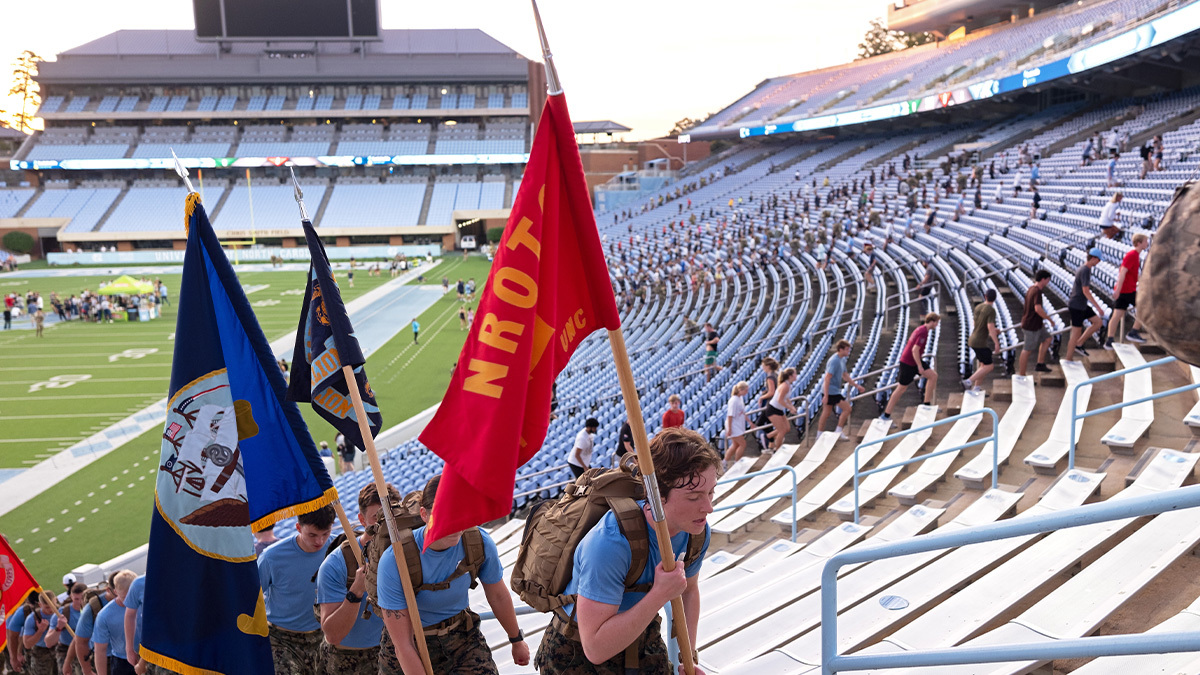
x=103, y=510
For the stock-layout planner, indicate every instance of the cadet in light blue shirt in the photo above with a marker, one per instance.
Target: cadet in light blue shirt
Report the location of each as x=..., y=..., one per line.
x=86, y=628
x=109, y=637
x=13, y=629
x=133, y=618
x=287, y=572
x=607, y=618
x=456, y=645
x=351, y=641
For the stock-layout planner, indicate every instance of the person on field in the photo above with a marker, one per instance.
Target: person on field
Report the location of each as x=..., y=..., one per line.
x=912, y=364
x=984, y=339
x=352, y=631
x=580, y=456
x=610, y=619
x=287, y=572
x=452, y=634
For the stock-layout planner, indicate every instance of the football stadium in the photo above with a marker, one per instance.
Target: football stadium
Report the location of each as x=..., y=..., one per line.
x=896, y=357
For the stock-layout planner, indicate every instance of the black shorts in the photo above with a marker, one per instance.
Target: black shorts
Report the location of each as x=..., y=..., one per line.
x=771, y=411
x=835, y=399
x=984, y=354
x=1125, y=301
x=577, y=470
x=1080, y=316
x=909, y=373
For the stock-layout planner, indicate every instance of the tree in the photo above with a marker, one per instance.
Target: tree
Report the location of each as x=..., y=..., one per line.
x=682, y=126
x=18, y=242
x=26, y=89
x=879, y=40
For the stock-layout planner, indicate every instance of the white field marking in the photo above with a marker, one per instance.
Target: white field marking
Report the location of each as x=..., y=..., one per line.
x=37, y=550
x=64, y=511
x=293, y=291
x=107, y=501
x=96, y=510
x=36, y=440
x=59, y=382
x=133, y=353
x=51, y=540
x=60, y=356
x=254, y=288
x=78, y=502
x=62, y=417
x=49, y=520
x=67, y=529
x=130, y=485
x=19, y=540
x=120, y=492
x=31, y=461
x=70, y=398
x=81, y=519
x=141, y=478
x=146, y=458
x=35, y=530
x=14, y=369
x=269, y=302
x=91, y=494
x=125, y=471
x=103, y=486
x=171, y=336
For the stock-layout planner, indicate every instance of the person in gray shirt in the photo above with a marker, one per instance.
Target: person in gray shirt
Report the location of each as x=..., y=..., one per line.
x=1084, y=307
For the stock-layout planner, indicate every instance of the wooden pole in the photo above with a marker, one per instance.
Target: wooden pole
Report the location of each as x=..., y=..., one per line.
x=58, y=610
x=410, y=597
x=633, y=408
x=349, y=530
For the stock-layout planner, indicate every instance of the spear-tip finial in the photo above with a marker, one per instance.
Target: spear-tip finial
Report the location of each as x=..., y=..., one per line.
x=298, y=193
x=552, y=82
x=182, y=171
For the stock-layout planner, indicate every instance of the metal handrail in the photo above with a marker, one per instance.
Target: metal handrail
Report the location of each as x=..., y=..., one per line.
x=1111, y=645
x=544, y=488
x=545, y=471
x=994, y=439
x=781, y=495
x=933, y=284
x=1076, y=415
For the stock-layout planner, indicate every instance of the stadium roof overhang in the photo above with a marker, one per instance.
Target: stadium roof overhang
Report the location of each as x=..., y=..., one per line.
x=944, y=16
x=600, y=127
x=174, y=57
x=1155, y=56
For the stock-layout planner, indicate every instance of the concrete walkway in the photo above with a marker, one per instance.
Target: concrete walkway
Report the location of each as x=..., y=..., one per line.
x=377, y=317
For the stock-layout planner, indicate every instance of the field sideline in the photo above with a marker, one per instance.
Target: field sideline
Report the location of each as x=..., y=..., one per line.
x=103, y=510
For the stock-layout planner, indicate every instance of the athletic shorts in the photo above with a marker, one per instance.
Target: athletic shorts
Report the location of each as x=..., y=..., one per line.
x=983, y=354
x=835, y=399
x=710, y=358
x=1080, y=316
x=1034, y=338
x=909, y=373
x=772, y=411
x=1125, y=301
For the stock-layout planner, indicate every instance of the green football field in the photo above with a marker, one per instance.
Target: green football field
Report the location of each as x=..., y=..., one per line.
x=82, y=377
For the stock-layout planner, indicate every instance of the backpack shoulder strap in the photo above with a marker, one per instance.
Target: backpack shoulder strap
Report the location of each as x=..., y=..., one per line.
x=474, y=554
x=412, y=559
x=631, y=520
x=351, y=562
x=695, y=547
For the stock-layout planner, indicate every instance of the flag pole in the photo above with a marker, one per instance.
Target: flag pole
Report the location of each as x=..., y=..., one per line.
x=58, y=610
x=410, y=596
x=337, y=503
x=633, y=409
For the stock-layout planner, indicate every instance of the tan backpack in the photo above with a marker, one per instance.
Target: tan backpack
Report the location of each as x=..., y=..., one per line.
x=408, y=518
x=553, y=531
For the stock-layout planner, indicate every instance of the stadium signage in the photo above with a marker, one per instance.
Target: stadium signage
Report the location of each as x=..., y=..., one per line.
x=258, y=162
x=1151, y=34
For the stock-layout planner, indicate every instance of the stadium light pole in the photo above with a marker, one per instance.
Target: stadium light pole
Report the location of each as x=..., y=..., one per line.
x=633, y=409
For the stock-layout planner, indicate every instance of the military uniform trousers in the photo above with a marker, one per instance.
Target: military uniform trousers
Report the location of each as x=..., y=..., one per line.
x=456, y=647
x=346, y=661
x=295, y=653
x=561, y=654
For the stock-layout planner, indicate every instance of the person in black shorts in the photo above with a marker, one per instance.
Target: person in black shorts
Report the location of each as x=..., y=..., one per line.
x=912, y=364
x=1084, y=307
x=985, y=338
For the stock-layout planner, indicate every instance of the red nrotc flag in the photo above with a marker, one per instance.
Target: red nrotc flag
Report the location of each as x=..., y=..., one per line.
x=15, y=584
x=548, y=290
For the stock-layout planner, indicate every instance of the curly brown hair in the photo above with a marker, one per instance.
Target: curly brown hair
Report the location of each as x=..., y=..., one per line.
x=680, y=456
x=368, y=496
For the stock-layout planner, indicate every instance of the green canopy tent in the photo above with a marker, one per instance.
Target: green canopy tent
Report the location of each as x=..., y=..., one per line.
x=126, y=285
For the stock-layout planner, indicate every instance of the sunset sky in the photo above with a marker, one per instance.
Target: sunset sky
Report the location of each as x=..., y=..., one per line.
x=644, y=63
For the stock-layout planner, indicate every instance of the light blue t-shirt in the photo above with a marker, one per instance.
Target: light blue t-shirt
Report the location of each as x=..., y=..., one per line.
x=331, y=587
x=16, y=622
x=87, y=622
x=134, y=600
x=436, y=567
x=836, y=368
x=602, y=560
x=286, y=573
x=64, y=638
x=31, y=625
x=110, y=630
x=416, y=326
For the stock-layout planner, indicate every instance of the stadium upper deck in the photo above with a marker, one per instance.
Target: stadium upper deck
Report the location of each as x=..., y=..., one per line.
x=1008, y=58
x=400, y=138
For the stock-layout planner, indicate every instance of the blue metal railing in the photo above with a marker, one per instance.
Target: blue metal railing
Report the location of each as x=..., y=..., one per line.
x=772, y=497
x=1076, y=415
x=994, y=439
x=1113, y=645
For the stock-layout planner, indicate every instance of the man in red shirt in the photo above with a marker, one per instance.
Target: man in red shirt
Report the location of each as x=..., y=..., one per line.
x=912, y=363
x=1125, y=292
x=674, y=415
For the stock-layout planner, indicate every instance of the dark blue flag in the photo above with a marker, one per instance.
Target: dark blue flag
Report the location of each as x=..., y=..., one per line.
x=325, y=342
x=235, y=456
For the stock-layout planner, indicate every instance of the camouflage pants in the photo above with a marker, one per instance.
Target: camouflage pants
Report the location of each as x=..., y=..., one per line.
x=39, y=661
x=60, y=657
x=295, y=653
x=562, y=655
x=461, y=652
x=340, y=661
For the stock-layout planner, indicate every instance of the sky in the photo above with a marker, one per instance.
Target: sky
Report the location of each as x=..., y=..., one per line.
x=643, y=63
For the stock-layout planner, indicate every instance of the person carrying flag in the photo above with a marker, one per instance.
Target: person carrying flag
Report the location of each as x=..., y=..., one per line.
x=456, y=644
x=39, y=639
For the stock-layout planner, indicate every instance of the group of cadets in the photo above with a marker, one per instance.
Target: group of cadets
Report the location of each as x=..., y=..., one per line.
x=322, y=618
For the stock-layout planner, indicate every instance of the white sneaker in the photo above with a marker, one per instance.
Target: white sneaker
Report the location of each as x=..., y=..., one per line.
x=843, y=436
